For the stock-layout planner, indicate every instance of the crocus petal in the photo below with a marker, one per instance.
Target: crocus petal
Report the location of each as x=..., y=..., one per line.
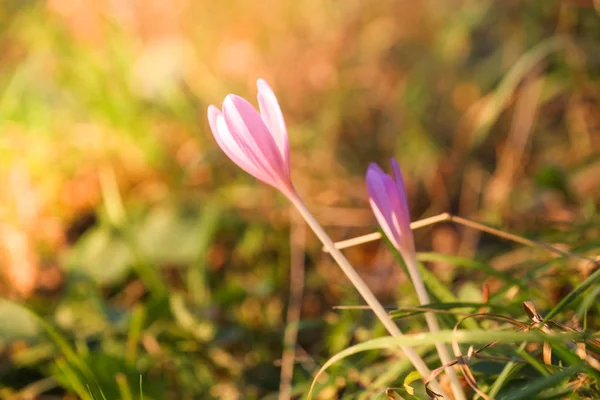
x=380, y=201
x=256, y=143
x=399, y=221
x=273, y=118
x=403, y=212
x=387, y=197
x=255, y=139
x=229, y=144
x=401, y=191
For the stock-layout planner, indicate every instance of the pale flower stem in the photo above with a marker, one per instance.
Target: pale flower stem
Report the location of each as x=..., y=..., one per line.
x=365, y=292
x=432, y=323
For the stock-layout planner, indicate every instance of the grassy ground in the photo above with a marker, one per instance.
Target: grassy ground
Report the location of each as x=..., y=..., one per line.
x=137, y=258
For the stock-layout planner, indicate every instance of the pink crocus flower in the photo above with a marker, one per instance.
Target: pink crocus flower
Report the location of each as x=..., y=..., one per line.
x=256, y=142
x=387, y=196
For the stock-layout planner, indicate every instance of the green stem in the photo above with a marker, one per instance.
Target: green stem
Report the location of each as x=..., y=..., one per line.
x=432, y=323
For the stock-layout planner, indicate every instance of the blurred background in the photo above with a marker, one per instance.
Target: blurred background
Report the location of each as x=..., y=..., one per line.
x=148, y=252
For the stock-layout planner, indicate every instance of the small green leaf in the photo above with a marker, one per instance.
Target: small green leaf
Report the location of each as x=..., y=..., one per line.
x=410, y=378
x=17, y=323
x=102, y=255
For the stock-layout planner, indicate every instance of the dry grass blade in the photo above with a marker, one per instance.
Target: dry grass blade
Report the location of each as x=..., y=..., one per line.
x=392, y=395
x=547, y=353
x=298, y=244
x=537, y=319
x=468, y=374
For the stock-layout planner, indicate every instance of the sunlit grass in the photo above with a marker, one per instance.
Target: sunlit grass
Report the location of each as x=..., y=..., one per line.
x=139, y=263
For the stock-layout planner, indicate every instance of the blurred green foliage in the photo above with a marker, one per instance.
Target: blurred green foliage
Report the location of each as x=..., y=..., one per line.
x=133, y=249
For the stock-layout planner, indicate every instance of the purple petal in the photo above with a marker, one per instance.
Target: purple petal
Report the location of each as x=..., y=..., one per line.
x=377, y=183
x=402, y=207
x=390, y=206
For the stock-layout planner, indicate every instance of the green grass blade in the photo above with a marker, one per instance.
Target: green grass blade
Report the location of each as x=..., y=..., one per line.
x=141, y=389
x=74, y=380
x=508, y=369
x=136, y=323
x=534, y=389
x=574, y=295
x=123, y=385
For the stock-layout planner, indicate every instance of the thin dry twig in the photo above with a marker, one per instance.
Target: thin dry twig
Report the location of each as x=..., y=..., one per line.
x=447, y=217
x=377, y=235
